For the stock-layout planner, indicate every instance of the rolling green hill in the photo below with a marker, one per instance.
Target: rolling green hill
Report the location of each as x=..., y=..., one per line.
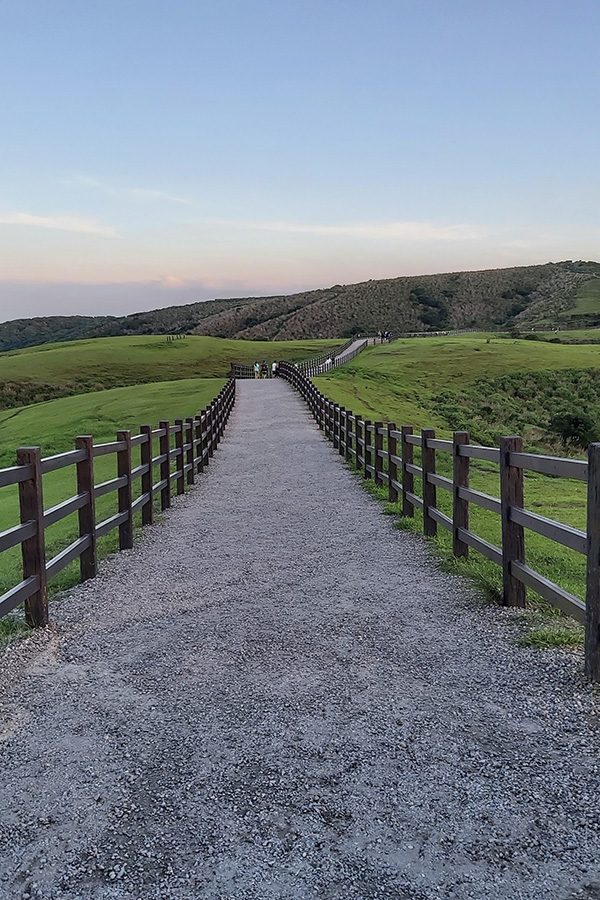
x=524, y=295
x=490, y=385
x=58, y=370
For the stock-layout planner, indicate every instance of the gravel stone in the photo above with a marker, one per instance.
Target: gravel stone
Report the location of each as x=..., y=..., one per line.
x=277, y=694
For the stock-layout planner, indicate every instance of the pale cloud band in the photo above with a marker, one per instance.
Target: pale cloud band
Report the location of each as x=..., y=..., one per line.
x=74, y=224
x=402, y=230
x=131, y=192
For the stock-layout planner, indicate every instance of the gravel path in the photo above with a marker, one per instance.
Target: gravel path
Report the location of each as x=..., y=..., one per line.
x=279, y=695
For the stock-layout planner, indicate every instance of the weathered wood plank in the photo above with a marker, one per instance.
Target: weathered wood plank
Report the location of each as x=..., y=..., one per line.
x=33, y=550
x=88, y=562
x=429, y=490
x=513, y=540
x=124, y=494
x=592, y=615
x=460, y=506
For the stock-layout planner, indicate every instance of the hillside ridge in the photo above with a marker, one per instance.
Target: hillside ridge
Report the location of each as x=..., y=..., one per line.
x=521, y=296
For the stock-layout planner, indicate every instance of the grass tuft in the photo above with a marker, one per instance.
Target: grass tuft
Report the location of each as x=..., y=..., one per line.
x=558, y=634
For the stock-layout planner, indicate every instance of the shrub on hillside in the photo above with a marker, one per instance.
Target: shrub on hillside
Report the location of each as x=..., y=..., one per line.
x=576, y=430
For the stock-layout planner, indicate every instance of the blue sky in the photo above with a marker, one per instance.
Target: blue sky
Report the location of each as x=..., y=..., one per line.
x=161, y=152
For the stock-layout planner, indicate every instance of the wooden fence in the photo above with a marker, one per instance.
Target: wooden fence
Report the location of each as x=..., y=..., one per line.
x=316, y=365
x=195, y=442
x=384, y=453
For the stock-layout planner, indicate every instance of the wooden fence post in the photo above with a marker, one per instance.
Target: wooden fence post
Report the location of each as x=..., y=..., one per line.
x=336, y=416
x=392, y=466
x=358, y=438
x=215, y=424
x=222, y=416
x=200, y=445
x=429, y=490
x=33, y=550
x=378, y=461
x=148, y=477
x=348, y=435
x=124, y=493
x=180, y=458
x=165, y=466
x=592, y=596
x=88, y=563
x=214, y=427
x=219, y=411
x=367, y=448
x=513, y=540
x=191, y=475
x=460, y=507
x=342, y=431
x=210, y=431
x=408, y=481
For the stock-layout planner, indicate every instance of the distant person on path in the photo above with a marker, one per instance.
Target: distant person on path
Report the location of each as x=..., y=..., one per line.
x=265, y=369
x=257, y=370
x=273, y=369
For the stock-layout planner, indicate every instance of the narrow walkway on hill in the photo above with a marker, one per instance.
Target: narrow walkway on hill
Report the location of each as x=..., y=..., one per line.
x=279, y=695
x=348, y=353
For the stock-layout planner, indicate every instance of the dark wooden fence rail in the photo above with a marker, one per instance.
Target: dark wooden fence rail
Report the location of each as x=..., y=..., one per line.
x=384, y=453
x=241, y=370
x=316, y=364
x=195, y=441
x=339, y=358
x=313, y=366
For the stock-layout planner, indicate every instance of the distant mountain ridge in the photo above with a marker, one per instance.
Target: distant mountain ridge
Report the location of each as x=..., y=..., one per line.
x=493, y=298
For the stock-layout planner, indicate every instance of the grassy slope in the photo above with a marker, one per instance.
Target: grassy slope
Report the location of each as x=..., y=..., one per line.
x=56, y=423
x=402, y=379
x=401, y=382
x=587, y=300
x=113, y=362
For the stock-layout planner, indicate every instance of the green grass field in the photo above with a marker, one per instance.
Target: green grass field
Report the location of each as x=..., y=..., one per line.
x=52, y=370
x=587, y=300
x=424, y=383
x=53, y=425
x=407, y=379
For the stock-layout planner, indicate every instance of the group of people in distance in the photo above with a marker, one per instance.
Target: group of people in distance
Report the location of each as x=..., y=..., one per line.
x=264, y=370
x=384, y=336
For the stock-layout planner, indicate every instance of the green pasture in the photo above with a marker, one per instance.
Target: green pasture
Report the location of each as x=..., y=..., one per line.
x=413, y=382
x=75, y=367
x=587, y=300
x=53, y=426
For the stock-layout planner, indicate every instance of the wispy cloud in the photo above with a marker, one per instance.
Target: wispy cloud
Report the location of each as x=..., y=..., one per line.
x=401, y=231
x=132, y=192
x=76, y=224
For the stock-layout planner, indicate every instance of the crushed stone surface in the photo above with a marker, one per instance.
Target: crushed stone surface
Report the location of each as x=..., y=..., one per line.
x=277, y=694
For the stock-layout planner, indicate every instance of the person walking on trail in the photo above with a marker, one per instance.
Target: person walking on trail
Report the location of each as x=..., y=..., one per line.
x=273, y=369
x=265, y=369
x=257, y=370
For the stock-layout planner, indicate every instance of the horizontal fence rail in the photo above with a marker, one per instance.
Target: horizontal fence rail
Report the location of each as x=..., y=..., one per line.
x=384, y=453
x=195, y=441
x=316, y=365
